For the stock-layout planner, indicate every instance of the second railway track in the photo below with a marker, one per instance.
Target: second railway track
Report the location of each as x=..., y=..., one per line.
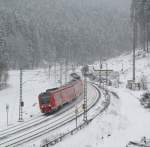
x=33, y=122
x=43, y=127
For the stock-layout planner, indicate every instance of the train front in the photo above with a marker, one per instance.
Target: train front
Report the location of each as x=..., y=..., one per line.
x=44, y=102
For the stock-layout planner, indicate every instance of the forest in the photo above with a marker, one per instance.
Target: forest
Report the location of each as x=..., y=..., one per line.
x=35, y=33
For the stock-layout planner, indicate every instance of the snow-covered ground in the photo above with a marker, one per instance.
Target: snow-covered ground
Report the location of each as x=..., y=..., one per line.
x=124, y=120
x=34, y=82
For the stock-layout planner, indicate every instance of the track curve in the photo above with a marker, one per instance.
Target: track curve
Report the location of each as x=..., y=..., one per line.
x=43, y=128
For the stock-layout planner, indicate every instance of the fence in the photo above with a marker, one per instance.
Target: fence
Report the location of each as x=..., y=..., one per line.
x=61, y=137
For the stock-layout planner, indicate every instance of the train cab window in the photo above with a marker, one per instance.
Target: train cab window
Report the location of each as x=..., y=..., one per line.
x=44, y=99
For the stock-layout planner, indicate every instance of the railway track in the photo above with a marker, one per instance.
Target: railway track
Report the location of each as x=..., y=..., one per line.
x=105, y=104
x=33, y=122
x=24, y=134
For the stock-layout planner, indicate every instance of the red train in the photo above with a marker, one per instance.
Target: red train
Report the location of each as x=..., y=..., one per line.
x=53, y=99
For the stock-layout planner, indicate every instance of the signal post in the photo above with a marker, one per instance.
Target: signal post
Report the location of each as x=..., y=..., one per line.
x=84, y=71
x=21, y=103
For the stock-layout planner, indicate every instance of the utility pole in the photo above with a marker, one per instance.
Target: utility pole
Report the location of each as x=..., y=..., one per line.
x=122, y=68
x=134, y=41
x=49, y=71
x=76, y=113
x=66, y=70
x=21, y=103
x=147, y=30
x=55, y=71
x=60, y=80
x=85, y=93
x=144, y=44
x=144, y=21
x=72, y=67
x=7, y=111
x=85, y=100
x=100, y=68
x=118, y=79
x=106, y=74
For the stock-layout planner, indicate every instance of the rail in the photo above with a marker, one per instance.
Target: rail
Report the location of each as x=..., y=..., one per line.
x=58, y=139
x=62, y=136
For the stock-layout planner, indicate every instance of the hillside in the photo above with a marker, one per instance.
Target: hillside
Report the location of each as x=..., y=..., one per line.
x=116, y=127
x=126, y=119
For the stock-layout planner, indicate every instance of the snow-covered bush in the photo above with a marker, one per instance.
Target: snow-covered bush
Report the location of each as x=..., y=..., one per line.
x=144, y=82
x=145, y=100
x=44, y=141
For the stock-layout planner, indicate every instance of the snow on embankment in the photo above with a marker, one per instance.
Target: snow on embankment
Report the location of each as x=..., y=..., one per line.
x=126, y=120
x=137, y=117
x=125, y=61
x=34, y=82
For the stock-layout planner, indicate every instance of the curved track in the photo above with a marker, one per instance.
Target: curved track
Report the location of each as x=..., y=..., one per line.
x=21, y=134
x=33, y=122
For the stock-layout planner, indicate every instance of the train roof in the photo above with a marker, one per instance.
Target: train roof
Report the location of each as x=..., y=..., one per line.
x=69, y=84
x=75, y=76
x=53, y=89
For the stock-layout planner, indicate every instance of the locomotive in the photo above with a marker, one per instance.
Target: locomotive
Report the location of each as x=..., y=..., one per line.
x=52, y=99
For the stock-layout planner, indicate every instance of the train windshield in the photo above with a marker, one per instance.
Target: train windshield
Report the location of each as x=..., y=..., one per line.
x=44, y=99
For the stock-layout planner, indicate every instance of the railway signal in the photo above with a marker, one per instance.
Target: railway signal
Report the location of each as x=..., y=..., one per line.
x=76, y=113
x=7, y=111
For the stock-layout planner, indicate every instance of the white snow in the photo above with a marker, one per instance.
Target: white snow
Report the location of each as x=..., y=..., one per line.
x=34, y=82
x=125, y=119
